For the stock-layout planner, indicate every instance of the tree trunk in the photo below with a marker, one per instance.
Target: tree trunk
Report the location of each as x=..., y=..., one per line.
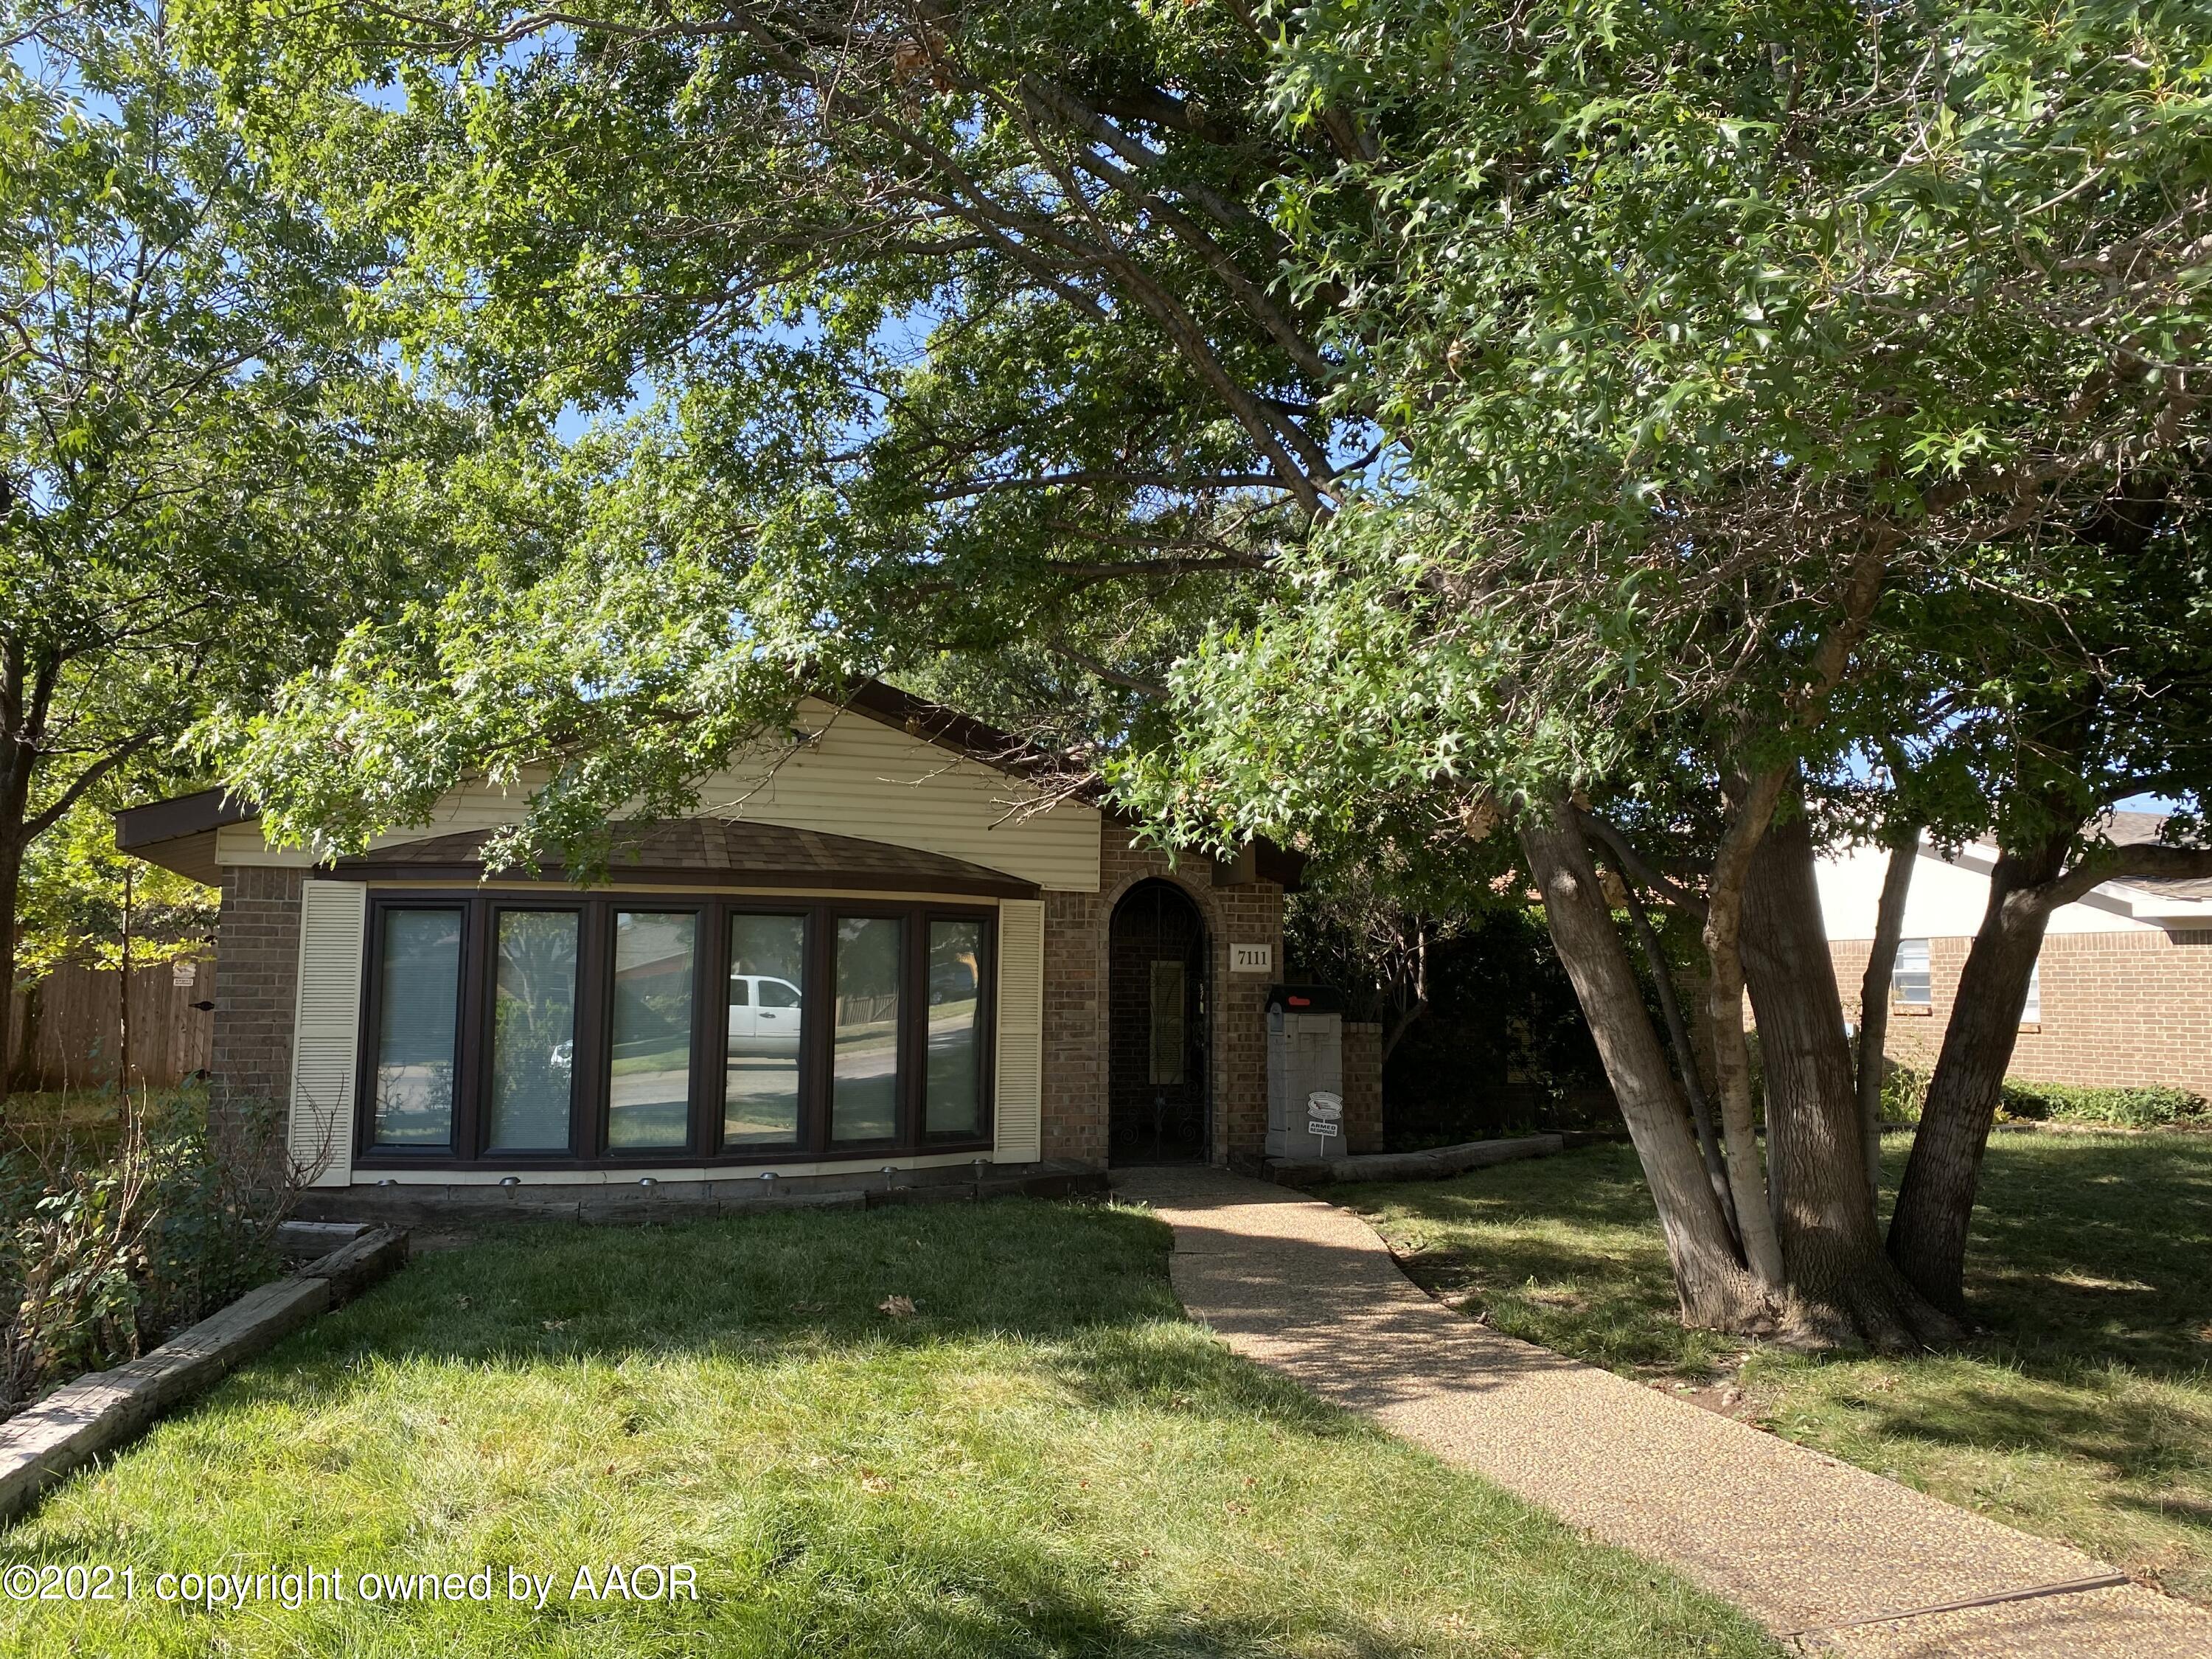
x=1874, y=994
x=22, y=1075
x=1750, y=809
x=1709, y=1277
x=1420, y=1004
x=1848, y=1289
x=1935, y=1201
x=11, y=876
x=1678, y=1038
x=123, y=995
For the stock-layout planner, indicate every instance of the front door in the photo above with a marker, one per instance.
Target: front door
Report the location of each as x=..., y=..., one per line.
x=1157, y=1098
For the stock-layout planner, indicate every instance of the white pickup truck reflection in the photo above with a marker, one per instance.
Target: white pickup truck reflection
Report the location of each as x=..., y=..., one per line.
x=764, y=1015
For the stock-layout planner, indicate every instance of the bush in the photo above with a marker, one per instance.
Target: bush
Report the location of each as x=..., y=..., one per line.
x=1905, y=1091
x=2126, y=1109
x=107, y=1250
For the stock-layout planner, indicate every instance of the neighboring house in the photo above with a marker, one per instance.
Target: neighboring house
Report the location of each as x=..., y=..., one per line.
x=2123, y=992
x=858, y=955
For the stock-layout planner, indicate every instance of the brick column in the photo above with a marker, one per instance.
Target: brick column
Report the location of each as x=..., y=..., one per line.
x=1073, y=1115
x=257, y=967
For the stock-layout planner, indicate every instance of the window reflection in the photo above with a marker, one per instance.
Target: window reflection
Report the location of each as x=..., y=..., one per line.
x=533, y=1046
x=954, y=1100
x=864, y=1075
x=418, y=999
x=649, y=1093
x=767, y=961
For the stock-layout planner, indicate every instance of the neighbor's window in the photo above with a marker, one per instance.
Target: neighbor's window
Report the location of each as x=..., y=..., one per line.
x=1909, y=983
x=587, y=1031
x=418, y=1021
x=864, y=1086
x=2032, y=1012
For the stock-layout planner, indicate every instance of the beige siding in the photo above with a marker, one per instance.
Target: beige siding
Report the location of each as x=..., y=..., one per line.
x=1020, y=1091
x=857, y=777
x=327, y=1029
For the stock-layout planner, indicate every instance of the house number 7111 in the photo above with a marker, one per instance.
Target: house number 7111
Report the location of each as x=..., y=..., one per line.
x=1251, y=958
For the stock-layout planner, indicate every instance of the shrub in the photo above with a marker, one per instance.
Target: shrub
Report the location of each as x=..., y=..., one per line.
x=2128, y=1109
x=106, y=1250
x=1905, y=1091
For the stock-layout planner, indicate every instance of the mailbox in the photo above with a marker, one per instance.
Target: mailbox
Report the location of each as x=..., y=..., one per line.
x=1305, y=1072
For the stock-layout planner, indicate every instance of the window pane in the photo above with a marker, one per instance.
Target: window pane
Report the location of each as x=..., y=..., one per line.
x=649, y=1100
x=766, y=1025
x=863, y=1081
x=418, y=1005
x=533, y=1040
x=1908, y=981
x=954, y=1102
x=2032, y=1012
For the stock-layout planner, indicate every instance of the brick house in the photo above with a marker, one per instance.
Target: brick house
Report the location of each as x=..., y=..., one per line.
x=876, y=954
x=2123, y=991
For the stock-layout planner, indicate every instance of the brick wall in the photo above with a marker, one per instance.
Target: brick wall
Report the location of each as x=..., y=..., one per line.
x=1076, y=928
x=2119, y=1009
x=257, y=967
x=1362, y=1086
x=1072, y=1112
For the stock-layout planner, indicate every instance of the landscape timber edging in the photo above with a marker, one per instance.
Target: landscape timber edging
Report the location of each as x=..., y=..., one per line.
x=624, y=1204
x=1433, y=1164
x=43, y=1443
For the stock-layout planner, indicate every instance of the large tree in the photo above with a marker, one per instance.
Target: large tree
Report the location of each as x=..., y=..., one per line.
x=2084, y=701
x=1545, y=421
x=934, y=338
x=205, y=472
x=1738, y=348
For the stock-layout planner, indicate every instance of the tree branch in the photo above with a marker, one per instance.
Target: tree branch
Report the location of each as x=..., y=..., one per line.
x=2125, y=864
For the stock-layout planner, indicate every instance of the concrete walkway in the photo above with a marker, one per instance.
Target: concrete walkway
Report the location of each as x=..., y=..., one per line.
x=1831, y=1558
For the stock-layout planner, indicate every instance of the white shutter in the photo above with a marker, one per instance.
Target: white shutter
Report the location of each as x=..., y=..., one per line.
x=1021, y=1031
x=326, y=1029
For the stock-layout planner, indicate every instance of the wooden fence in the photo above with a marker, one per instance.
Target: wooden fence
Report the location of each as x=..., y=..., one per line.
x=65, y=1031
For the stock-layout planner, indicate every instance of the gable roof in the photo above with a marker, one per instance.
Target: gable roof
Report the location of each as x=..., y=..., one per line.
x=181, y=833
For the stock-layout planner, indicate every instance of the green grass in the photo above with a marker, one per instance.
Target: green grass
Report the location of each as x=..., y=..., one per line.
x=2084, y=1412
x=1043, y=1458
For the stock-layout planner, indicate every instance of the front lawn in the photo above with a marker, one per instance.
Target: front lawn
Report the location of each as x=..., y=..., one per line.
x=2085, y=1412
x=1043, y=1457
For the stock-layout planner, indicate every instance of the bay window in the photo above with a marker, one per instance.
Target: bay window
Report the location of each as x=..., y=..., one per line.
x=419, y=990
x=533, y=1031
x=507, y=1031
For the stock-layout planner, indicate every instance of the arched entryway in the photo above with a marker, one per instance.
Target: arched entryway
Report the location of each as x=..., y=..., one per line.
x=1158, y=1106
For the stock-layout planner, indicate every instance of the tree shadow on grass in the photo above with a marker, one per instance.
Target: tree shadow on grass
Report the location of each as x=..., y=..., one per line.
x=1083, y=1288
x=2096, y=1249
x=2131, y=1437
x=810, y=1561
